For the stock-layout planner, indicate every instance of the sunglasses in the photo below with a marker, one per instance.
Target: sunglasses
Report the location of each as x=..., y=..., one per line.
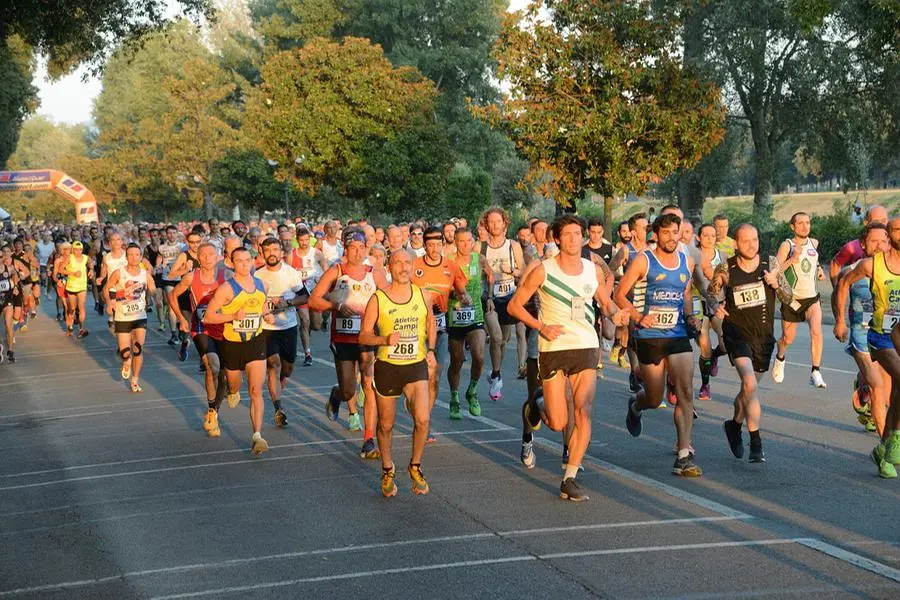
x=415, y=233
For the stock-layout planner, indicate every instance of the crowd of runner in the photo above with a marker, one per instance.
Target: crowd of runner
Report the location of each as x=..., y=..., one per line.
x=404, y=303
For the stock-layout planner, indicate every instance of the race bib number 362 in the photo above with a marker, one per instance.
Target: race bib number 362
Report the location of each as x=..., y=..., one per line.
x=666, y=318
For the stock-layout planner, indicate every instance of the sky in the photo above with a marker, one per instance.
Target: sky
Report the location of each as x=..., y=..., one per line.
x=70, y=99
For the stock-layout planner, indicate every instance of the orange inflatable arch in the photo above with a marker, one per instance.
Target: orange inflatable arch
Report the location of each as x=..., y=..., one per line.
x=48, y=180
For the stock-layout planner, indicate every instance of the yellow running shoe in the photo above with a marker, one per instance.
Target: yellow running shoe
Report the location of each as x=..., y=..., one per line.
x=388, y=486
x=211, y=424
x=258, y=446
x=233, y=399
x=419, y=485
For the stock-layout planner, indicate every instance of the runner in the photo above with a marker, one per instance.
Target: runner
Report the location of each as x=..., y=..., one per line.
x=311, y=264
x=112, y=260
x=151, y=255
x=568, y=344
x=882, y=338
x=240, y=304
x=506, y=261
x=799, y=258
x=349, y=286
x=169, y=250
x=78, y=270
x=201, y=285
x=439, y=276
x=60, y=261
x=44, y=250
x=330, y=246
x=186, y=262
x=710, y=258
x=285, y=292
x=465, y=323
x=663, y=333
x=875, y=240
x=127, y=288
x=600, y=252
x=723, y=242
x=9, y=290
x=416, y=244
x=405, y=340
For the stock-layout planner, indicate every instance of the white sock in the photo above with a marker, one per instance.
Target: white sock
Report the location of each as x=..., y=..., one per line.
x=256, y=436
x=571, y=471
x=683, y=452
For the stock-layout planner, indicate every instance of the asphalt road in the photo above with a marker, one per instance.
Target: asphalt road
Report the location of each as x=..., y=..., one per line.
x=105, y=494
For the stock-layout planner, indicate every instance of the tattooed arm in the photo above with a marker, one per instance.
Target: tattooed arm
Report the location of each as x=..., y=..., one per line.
x=719, y=279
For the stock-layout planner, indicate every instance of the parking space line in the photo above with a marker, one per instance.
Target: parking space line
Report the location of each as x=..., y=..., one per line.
x=227, y=563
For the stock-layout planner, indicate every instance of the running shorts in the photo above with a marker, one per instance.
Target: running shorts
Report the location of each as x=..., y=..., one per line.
x=129, y=326
x=206, y=345
x=652, y=351
x=282, y=342
x=790, y=315
x=349, y=352
x=235, y=356
x=758, y=351
x=567, y=362
x=390, y=378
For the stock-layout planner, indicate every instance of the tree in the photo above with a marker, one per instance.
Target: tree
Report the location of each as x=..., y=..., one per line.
x=244, y=176
x=18, y=97
x=468, y=192
x=509, y=186
x=287, y=24
x=320, y=104
x=599, y=100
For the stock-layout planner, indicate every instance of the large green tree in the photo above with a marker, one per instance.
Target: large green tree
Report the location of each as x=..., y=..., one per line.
x=599, y=99
x=18, y=97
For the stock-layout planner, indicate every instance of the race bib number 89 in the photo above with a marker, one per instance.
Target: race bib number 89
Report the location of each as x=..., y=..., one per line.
x=348, y=324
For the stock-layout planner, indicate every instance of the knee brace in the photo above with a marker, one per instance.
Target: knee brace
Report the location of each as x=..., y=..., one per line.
x=138, y=349
x=125, y=353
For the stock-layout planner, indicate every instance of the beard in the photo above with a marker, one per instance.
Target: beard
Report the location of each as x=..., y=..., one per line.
x=272, y=260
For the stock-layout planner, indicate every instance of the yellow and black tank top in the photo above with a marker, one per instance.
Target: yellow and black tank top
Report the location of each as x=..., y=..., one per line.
x=885, y=296
x=410, y=321
x=253, y=303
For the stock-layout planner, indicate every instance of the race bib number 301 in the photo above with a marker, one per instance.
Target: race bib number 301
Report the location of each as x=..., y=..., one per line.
x=249, y=324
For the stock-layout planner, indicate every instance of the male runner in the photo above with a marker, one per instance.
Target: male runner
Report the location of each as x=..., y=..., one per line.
x=663, y=333
x=9, y=290
x=311, y=264
x=723, y=242
x=439, y=276
x=349, y=285
x=568, y=344
x=507, y=263
x=637, y=228
x=112, y=260
x=77, y=270
x=127, y=288
x=405, y=339
x=883, y=337
x=799, y=258
x=465, y=323
x=285, y=292
x=186, y=262
x=169, y=250
x=751, y=285
x=240, y=304
x=201, y=285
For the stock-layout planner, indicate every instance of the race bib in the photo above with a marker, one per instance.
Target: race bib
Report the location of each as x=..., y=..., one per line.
x=697, y=307
x=666, y=318
x=272, y=302
x=130, y=309
x=305, y=273
x=504, y=288
x=201, y=312
x=348, y=324
x=5, y=285
x=577, y=311
x=249, y=324
x=889, y=321
x=464, y=315
x=440, y=319
x=407, y=349
x=749, y=295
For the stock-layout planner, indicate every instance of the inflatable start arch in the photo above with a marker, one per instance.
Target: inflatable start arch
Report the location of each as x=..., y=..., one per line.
x=48, y=180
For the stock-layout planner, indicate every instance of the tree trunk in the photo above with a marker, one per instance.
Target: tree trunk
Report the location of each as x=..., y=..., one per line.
x=608, y=202
x=207, y=203
x=690, y=195
x=765, y=167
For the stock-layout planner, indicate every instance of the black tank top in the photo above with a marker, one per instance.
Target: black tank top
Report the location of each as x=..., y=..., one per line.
x=750, y=303
x=150, y=254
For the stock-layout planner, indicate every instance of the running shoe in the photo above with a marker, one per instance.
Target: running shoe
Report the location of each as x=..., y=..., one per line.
x=815, y=379
x=675, y=449
x=10, y=356
x=173, y=340
x=419, y=485
x=307, y=360
x=33, y=315
x=632, y=421
x=474, y=404
x=885, y=469
x=58, y=318
x=891, y=445
x=369, y=451
x=704, y=392
x=353, y=422
x=871, y=426
x=686, y=467
x=430, y=439
x=877, y=454
x=69, y=331
x=599, y=370
x=527, y=455
x=136, y=388
x=162, y=326
x=757, y=455
x=623, y=360
x=360, y=397
x=496, y=388
x=211, y=424
x=24, y=328
x=258, y=446
x=570, y=489
x=333, y=406
x=606, y=345
x=83, y=334
x=523, y=372
x=735, y=441
x=455, y=414
x=388, y=486
x=126, y=370
x=614, y=354
x=183, y=351
x=233, y=399
x=778, y=370
x=634, y=386
x=280, y=418
x=714, y=366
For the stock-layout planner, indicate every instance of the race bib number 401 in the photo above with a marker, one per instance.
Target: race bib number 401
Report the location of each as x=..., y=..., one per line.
x=504, y=288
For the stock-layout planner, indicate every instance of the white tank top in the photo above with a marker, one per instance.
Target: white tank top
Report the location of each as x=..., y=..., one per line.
x=802, y=274
x=567, y=300
x=131, y=301
x=332, y=253
x=309, y=268
x=114, y=264
x=502, y=261
x=354, y=293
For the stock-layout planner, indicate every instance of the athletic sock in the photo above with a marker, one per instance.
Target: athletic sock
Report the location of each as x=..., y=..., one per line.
x=684, y=452
x=368, y=434
x=815, y=368
x=212, y=405
x=495, y=374
x=779, y=357
x=571, y=471
x=527, y=437
x=755, y=441
x=256, y=436
x=705, y=369
x=473, y=385
x=276, y=404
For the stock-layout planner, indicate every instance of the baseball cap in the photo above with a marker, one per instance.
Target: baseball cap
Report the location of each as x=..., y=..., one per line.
x=77, y=245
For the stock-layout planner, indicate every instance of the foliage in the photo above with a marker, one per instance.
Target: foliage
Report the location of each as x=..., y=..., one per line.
x=468, y=193
x=323, y=102
x=509, y=186
x=244, y=177
x=18, y=97
x=598, y=99
x=287, y=24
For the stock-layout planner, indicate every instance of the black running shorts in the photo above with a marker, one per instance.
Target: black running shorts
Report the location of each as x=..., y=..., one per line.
x=567, y=362
x=390, y=378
